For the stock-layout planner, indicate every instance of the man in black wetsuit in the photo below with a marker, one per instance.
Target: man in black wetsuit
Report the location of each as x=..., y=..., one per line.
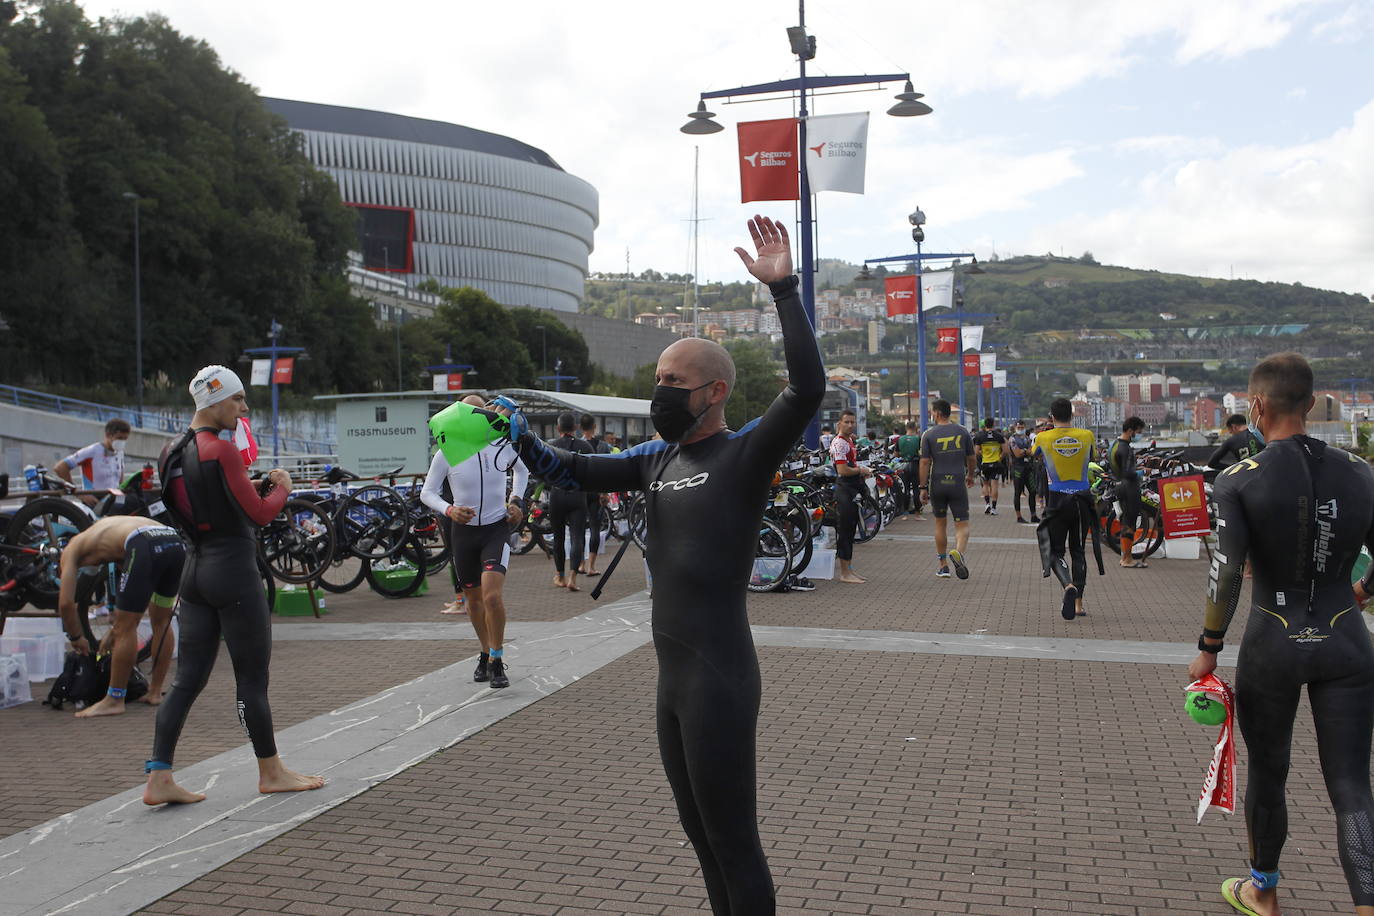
x=596, y=502
x=1121, y=461
x=215, y=505
x=1301, y=511
x=568, y=511
x=1244, y=441
x=1023, y=477
x=705, y=487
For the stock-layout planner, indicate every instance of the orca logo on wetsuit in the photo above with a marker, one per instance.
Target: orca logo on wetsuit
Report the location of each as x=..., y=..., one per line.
x=685, y=483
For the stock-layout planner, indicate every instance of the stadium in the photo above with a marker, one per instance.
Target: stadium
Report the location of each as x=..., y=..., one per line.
x=461, y=206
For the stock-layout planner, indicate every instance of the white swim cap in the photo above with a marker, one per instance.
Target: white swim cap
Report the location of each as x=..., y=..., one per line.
x=213, y=384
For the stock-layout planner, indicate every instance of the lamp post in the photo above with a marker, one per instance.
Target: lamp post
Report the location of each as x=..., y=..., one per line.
x=918, y=235
x=273, y=353
x=138, y=310
x=804, y=47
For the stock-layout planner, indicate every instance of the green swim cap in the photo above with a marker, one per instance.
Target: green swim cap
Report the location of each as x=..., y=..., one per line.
x=463, y=430
x=1204, y=709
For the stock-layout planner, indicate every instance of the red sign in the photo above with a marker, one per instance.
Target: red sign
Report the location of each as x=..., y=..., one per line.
x=768, y=160
x=455, y=381
x=987, y=381
x=971, y=364
x=947, y=340
x=1184, y=507
x=901, y=295
x=281, y=373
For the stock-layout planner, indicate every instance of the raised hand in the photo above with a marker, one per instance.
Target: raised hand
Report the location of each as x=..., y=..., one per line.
x=774, y=251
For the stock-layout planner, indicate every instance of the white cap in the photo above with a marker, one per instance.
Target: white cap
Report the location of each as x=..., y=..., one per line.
x=213, y=384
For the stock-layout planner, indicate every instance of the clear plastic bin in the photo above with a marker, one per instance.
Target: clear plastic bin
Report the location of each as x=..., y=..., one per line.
x=45, y=654
x=33, y=626
x=14, y=680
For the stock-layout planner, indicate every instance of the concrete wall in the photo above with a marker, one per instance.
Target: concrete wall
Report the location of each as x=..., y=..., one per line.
x=41, y=438
x=620, y=347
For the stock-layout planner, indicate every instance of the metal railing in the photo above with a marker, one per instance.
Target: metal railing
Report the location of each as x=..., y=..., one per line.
x=166, y=420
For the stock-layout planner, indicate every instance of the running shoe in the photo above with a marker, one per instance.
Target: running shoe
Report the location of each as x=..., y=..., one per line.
x=802, y=584
x=960, y=567
x=1035, y=520
x=498, y=674
x=1070, y=608
x=992, y=510
x=942, y=572
x=987, y=509
x=483, y=672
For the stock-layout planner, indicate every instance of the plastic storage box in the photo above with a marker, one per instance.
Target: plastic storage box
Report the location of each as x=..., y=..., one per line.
x=43, y=653
x=14, y=680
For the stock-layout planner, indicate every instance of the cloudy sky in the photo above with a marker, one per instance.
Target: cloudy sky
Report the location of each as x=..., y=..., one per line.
x=1226, y=138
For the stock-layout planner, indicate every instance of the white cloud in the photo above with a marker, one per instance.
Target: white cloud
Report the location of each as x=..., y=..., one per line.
x=1350, y=26
x=1168, y=145
x=1301, y=213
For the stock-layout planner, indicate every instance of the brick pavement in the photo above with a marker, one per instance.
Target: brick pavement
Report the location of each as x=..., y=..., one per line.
x=875, y=798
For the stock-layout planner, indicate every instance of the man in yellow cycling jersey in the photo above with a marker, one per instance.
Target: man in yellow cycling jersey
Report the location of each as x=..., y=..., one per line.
x=991, y=447
x=1069, y=511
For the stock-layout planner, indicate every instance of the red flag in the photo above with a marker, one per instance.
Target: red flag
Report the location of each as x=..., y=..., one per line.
x=947, y=340
x=768, y=160
x=281, y=374
x=987, y=381
x=971, y=364
x=455, y=381
x=901, y=295
x=245, y=443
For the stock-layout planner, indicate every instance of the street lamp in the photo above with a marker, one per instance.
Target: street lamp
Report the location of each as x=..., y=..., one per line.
x=804, y=47
x=138, y=310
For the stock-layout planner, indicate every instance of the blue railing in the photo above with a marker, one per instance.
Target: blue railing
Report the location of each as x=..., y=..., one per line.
x=164, y=420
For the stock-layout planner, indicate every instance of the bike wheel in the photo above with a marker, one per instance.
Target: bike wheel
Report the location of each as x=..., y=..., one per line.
x=772, y=558
x=432, y=533
x=40, y=529
x=795, y=521
x=400, y=576
x=376, y=520
x=90, y=593
x=342, y=574
x=1151, y=535
x=870, y=518
x=298, y=544
x=269, y=585
x=639, y=521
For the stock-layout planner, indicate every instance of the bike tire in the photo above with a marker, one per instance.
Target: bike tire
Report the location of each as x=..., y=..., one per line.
x=299, y=543
x=772, y=545
x=870, y=518
x=46, y=525
x=411, y=555
x=344, y=573
x=639, y=521
x=1153, y=538
x=376, y=519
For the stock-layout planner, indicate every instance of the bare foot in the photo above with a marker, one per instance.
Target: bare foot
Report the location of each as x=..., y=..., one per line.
x=163, y=790
x=152, y=698
x=559, y=583
x=108, y=706
x=288, y=781
x=1078, y=608
x=851, y=578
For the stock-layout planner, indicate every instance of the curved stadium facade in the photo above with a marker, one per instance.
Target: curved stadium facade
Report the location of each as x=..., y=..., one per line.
x=462, y=206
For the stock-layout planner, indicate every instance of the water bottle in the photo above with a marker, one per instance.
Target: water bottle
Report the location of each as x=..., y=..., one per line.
x=31, y=477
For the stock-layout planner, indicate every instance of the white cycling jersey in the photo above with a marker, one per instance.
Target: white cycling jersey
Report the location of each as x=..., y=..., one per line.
x=478, y=483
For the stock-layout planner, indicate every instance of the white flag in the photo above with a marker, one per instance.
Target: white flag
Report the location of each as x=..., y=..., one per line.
x=262, y=372
x=973, y=337
x=836, y=149
x=999, y=378
x=937, y=290
x=987, y=363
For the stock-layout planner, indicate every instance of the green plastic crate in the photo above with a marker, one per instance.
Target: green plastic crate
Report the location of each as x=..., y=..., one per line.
x=294, y=601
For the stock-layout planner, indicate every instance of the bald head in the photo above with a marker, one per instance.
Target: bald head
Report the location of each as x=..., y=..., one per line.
x=475, y=400
x=693, y=361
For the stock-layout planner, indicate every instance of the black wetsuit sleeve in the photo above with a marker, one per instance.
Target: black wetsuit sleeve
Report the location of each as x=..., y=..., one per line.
x=568, y=470
x=1228, y=560
x=1218, y=459
x=1367, y=581
x=795, y=405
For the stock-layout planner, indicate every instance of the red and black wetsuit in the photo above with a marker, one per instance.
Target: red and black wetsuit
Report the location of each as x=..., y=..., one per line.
x=218, y=509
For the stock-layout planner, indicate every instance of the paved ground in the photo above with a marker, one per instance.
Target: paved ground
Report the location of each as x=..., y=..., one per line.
x=956, y=773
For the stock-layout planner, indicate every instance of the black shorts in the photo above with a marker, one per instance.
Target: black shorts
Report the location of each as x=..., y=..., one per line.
x=153, y=558
x=990, y=471
x=949, y=495
x=478, y=549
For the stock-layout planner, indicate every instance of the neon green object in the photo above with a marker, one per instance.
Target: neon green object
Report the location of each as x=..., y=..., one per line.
x=1204, y=709
x=463, y=430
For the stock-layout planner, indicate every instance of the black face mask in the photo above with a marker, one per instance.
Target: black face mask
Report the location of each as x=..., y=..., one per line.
x=671, y=416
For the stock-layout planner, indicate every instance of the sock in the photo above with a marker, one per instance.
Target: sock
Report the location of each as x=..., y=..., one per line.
x=987, y=498
x=994, y=504
x=485, y=655
x=942, y=557
x=118, y=692
x=496, y=654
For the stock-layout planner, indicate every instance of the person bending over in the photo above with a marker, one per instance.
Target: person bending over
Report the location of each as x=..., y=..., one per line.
x=150, y=556
x=217, y=508
x=1300, y=510
x=705, y=487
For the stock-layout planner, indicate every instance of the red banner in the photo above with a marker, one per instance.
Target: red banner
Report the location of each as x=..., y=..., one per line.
x=768, y=160
x=281, y=373
x=987, y=381
x=947, y=340
x=971, y=364
x=901, y=295
x=1184, y=507
x=455, y=381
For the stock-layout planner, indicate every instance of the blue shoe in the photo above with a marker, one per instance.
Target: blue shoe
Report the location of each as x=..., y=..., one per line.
x=942, y=572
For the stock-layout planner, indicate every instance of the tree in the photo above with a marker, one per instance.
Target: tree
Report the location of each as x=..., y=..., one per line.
x=540, y=328
x=757, y=382
x=483, y=334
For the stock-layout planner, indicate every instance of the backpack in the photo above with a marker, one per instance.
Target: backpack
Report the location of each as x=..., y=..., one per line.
x=85, y=679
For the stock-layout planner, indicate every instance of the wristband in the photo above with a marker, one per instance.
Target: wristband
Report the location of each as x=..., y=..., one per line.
x=72, y=638
x=784, y=287
x=1203, y=647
